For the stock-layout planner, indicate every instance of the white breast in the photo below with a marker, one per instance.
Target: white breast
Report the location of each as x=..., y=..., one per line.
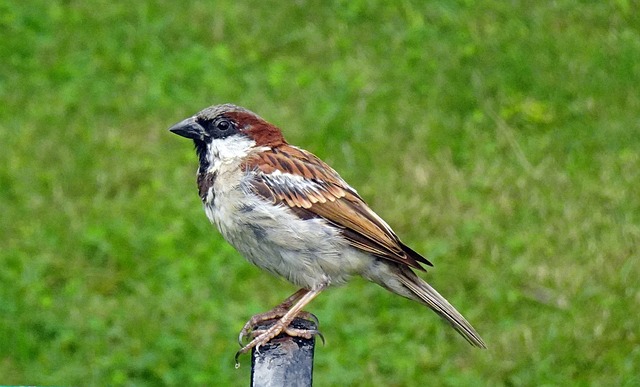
x=305, y=252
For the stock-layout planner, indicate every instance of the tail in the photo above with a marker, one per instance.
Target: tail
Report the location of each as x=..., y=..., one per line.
x=429, y=296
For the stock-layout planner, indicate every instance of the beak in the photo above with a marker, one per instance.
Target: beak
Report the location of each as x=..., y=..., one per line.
x=189, y=128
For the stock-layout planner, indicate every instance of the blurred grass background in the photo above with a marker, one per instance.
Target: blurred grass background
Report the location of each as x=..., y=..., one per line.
x=501, y=139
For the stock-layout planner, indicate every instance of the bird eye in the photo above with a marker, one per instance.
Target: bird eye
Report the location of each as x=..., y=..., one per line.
x=219, y=127
x=223, y=125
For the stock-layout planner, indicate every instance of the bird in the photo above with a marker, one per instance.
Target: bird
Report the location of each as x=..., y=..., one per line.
x=291, y=214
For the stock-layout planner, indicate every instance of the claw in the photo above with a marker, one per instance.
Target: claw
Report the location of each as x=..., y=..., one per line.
x=312, y=317
x=237, y=357
x=309, y=316
x=321, y=336
x=240, y=338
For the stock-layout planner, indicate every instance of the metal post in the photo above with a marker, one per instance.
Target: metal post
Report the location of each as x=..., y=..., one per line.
x=285, y=360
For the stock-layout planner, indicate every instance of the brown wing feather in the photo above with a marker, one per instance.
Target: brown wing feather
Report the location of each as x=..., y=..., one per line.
x=324, y=194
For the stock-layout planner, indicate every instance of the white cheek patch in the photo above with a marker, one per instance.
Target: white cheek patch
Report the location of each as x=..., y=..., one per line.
x=230, y=149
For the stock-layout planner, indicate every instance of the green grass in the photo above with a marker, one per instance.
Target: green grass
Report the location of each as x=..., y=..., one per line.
x=501, y=139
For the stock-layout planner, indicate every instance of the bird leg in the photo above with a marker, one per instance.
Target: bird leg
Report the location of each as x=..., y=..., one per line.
x=286, y=311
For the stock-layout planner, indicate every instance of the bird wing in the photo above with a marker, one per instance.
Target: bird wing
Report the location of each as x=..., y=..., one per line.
x=293, y=177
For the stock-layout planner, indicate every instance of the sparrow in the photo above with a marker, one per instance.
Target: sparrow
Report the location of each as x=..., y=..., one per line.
x=289, y=213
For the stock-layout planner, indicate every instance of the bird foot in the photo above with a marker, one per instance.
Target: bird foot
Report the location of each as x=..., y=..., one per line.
x=283, y=314
x=263, y=330
x=249, y=329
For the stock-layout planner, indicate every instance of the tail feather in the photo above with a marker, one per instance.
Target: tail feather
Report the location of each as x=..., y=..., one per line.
x=429, y=296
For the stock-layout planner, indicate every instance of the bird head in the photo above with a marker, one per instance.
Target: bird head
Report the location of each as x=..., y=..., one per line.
x=227, y=131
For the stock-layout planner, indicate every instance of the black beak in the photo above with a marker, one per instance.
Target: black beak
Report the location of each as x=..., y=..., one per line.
x=189, y=128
